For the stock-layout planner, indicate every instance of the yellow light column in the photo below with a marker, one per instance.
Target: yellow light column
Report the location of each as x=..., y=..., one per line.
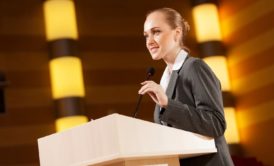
x=65, y=67
x=67, y=80
x=209, y=37
x=219, y=66
x=206, y=20
x=60, y=19
x=231, y=133
x=66, y=77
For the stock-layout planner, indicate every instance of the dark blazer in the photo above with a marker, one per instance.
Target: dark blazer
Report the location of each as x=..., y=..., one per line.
x=195, y=104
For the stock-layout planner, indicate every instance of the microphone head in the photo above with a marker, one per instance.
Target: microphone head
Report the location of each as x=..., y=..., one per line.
x=150, y=71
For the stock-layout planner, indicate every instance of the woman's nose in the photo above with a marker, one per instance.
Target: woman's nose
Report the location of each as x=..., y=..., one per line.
x=150, y=40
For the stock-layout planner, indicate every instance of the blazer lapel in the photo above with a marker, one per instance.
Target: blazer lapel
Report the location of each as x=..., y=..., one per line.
x=173, y=80
x=169, y=92
x=172, y=83
x=156, y=115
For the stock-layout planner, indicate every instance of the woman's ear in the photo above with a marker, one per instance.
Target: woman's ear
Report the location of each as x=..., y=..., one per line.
x=178, y=33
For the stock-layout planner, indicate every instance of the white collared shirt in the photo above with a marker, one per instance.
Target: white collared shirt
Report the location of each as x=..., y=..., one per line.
x=176, y=66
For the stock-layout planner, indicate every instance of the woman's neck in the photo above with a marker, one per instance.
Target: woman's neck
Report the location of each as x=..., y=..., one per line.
x=170, y=59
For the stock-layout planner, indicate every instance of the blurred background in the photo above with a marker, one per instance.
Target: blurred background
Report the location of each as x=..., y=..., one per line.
x=114, y=59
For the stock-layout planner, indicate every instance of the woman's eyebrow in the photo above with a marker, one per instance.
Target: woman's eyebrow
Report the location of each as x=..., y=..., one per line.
x=151, y=29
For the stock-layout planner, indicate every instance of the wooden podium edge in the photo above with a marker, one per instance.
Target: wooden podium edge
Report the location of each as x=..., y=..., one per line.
x=171, y=160
x=118, y=158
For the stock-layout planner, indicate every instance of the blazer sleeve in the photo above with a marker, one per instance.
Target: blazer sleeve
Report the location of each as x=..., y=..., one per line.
x=207, y=116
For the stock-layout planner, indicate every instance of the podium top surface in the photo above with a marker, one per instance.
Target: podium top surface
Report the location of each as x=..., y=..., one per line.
x=119, y=137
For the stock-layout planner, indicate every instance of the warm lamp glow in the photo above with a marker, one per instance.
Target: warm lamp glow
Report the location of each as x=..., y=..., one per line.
x=219, y=66
x=69, y=122
x=66, y=77
x=231, y=133
x=206, y=22
x=60, y=19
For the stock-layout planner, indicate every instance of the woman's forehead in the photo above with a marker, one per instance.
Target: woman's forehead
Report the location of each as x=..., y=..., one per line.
x=153, y=20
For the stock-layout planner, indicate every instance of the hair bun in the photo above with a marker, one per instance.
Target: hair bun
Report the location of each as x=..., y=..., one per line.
x=186, y=26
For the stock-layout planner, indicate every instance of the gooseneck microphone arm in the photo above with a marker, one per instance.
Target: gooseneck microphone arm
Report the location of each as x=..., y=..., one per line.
x=150, y=73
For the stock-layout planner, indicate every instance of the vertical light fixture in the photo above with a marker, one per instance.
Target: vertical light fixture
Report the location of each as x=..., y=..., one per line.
x=65, y=67
x=209, y=37
x=3, y=84
x=206, y=22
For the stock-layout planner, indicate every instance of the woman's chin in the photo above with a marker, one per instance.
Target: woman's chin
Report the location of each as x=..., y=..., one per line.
x=155, y=57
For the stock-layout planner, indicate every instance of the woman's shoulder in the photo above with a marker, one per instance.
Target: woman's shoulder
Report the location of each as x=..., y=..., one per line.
x=194, y=62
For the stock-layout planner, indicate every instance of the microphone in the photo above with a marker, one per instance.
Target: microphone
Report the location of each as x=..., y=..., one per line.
x=150, y=73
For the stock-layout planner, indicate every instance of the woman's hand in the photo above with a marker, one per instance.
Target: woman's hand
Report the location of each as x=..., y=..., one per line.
x=155, y=91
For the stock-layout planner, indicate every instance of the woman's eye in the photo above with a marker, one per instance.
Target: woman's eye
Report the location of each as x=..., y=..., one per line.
x=157, y=32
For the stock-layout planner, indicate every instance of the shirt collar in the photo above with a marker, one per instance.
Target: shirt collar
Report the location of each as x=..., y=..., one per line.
x=177, y=65
x=179, y=60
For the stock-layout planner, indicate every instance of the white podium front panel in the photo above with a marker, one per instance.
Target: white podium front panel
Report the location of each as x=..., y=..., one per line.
x=117, y=137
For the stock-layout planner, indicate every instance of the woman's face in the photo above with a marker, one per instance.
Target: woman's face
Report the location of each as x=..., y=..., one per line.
x=160, y=38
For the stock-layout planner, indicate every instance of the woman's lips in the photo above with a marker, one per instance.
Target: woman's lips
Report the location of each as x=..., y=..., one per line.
x=153, y=49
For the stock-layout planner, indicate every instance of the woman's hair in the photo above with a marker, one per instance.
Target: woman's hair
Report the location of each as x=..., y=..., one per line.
x=174, y=20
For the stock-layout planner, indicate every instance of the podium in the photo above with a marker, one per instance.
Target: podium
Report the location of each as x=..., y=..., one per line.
x=118, y=140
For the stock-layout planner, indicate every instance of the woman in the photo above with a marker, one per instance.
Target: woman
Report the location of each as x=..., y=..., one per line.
x=189, y=94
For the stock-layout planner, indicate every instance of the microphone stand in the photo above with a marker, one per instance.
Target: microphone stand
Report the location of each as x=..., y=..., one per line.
x=141, y=96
